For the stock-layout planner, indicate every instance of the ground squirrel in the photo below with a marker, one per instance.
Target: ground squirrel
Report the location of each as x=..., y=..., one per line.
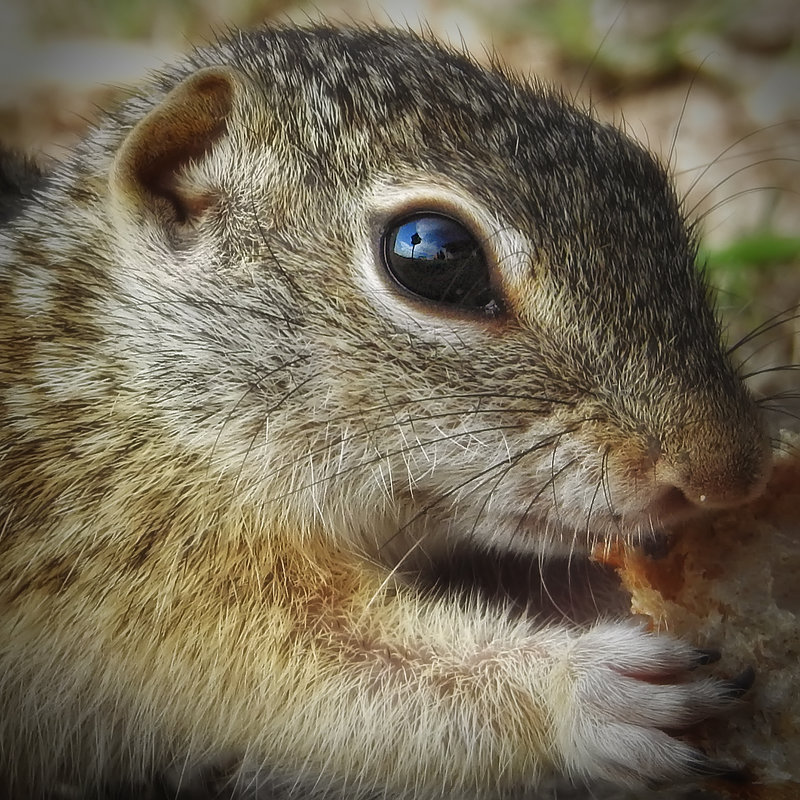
x=315, y=317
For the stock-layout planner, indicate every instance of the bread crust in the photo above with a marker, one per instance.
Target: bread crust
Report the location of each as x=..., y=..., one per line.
x=728, y=581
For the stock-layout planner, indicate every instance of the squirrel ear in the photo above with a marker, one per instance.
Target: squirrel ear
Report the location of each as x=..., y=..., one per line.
x=182, y=129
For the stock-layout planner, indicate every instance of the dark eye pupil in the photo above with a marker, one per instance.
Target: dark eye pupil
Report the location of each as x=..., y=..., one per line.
x=436, y=257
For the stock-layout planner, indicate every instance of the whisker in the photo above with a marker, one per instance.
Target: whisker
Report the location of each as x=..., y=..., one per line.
x=506, y=462
x=259, y=429
x=420, y=514
x=769, y=370
x=769, y=324
x=748, y=155
x=550, y=482
x=725, y=152
x=392, y=405
x=599, y=48
x=290, y=281
x=590, y=511
x=778, y=396
x=758, y=351
x=780, y=411
x=784, y=447
x=607, y=487
x=553, y=472
x=251, y=387
x=379, y=458
x=181, y=301
x=410, y=420
x=730, y=198
x=545, y=594
x=682, y=115
x=544, y=588
x=486, y=499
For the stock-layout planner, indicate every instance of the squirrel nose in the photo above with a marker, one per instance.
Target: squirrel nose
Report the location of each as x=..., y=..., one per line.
x=722, y=492
x=720, y=477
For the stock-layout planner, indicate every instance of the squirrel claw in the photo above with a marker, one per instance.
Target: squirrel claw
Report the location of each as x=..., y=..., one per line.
x=741, y=684
x=704, y=657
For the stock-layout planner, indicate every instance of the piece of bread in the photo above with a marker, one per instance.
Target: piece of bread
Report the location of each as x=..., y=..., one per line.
x=731, y=581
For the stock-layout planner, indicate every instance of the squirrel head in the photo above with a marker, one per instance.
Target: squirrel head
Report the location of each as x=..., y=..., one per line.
x=385, y=289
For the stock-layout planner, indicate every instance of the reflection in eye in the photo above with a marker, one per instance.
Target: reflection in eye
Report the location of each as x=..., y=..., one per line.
x=438, y=258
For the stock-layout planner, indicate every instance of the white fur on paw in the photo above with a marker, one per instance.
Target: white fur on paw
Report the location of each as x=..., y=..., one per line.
x=623, y=687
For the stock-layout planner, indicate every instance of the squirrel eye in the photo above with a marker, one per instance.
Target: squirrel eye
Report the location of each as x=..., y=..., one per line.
x=437, y=258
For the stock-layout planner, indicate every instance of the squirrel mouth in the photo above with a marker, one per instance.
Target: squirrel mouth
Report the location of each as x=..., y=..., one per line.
x=671, y=506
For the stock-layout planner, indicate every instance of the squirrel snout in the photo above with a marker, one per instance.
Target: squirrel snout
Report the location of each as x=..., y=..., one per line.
x=719, y=475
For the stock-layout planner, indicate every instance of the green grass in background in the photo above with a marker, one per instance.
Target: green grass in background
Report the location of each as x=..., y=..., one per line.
x=739, y=268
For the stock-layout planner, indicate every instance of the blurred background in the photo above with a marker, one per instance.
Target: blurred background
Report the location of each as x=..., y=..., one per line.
x=712, y=87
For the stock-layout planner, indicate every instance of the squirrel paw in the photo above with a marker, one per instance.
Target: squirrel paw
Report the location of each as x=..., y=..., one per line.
x=629, y=686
